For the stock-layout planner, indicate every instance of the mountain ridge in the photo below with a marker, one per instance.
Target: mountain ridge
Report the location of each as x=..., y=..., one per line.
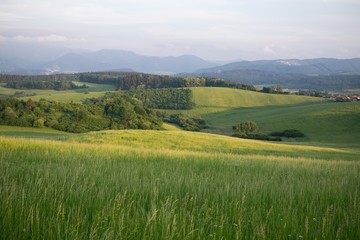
x=108, y=59
x=316, y=66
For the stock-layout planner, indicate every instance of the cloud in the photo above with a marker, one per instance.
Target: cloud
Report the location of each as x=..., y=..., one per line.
x=39, y=39
x=53, y=38
x=269, y=49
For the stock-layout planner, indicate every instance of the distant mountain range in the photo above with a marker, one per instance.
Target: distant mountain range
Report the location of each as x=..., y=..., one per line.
x=322, y=73
x=106, y=60
x=320, y=66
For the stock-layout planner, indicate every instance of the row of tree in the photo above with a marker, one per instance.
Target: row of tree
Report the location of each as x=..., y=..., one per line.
x=132, y=80
x=39, y=84
x=122, y=81
x=274, y=89
x=5, y=78
x=113, y=111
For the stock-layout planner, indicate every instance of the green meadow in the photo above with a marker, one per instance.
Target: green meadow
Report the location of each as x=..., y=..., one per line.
x=324, y=123
x=137, y=184
x=173, y=184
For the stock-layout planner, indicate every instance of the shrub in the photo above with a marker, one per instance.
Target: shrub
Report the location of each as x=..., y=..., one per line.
x=290, y=133
x=293, y=133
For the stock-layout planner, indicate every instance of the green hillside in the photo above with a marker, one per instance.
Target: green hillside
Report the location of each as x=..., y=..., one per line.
x=31, y=132
x=322, y=122
x=210, y=100
x=236, y=98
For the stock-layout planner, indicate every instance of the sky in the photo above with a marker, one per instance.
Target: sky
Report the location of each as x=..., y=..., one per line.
x=212, y=29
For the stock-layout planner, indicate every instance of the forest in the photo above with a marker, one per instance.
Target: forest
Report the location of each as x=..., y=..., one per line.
x=164, y=98
x=55, y=82
x=113, y=111
x=132, y=80
x=36, y=84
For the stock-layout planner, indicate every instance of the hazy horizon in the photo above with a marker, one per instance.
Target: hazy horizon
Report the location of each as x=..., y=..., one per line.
x=214, y=30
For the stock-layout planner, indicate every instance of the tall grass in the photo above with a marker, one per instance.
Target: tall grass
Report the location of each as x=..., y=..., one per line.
x=52, y=190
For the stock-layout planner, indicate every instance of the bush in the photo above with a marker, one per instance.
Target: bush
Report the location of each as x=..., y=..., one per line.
x=258, y=136
x=186, y=123
x=290, y=133
x=293, y=133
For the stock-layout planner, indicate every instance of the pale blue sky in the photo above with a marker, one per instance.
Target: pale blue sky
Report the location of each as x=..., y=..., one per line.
x=211, y=29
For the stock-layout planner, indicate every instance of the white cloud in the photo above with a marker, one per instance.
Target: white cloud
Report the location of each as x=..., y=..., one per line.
x=53, y=38
x=269, y=49
x=207, y=27
x=39, y=39
x=3, y=39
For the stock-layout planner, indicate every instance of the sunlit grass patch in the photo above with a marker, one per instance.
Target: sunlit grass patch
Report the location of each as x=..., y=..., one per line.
x=93, y=190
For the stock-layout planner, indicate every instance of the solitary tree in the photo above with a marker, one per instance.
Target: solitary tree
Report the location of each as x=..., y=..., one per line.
x=245, y=128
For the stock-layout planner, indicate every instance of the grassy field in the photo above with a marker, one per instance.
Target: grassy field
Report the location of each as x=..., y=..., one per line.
x=335, y=124
x=236, y=98
x=175, y=185
x=324, y=123
x=24, y=132
x=212, y=100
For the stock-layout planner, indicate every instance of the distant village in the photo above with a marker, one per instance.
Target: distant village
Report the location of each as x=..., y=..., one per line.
x=330, y=96
x=340, y=98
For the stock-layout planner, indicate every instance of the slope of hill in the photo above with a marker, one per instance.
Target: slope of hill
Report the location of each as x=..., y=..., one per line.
x=175, y=185
x=324, y=123
x=213, y=99
x=236, y=98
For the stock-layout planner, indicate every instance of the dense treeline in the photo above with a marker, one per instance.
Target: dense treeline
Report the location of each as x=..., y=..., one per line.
x=5, y=78
x=122, y=81
x=274, y=89
x=56, y=82
x=165, y=98
x=288, y=80
x=113, y=111
x=126, y=81
x=131, y=80
x=35, y=84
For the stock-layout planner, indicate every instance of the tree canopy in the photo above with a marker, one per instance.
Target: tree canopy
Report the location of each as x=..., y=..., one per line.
x=245, y=128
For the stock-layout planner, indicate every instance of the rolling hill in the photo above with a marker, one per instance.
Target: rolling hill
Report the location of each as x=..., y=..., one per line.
x=324, y=123
x=174, y=185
